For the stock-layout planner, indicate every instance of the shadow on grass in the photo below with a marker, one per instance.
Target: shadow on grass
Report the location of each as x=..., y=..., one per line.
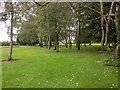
x=13, y=60
x=88, y=49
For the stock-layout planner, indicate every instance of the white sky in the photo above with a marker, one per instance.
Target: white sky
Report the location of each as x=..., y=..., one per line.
x=3, y=28
x=3, y=32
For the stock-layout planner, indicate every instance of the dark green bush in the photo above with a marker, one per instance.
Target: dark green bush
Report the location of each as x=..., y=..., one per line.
x=5, y=43
x=112, y=61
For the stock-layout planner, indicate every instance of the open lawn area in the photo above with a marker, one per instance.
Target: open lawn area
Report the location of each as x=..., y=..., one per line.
x=37, y=67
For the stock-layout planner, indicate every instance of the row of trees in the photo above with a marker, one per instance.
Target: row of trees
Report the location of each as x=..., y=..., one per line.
x=51, y=23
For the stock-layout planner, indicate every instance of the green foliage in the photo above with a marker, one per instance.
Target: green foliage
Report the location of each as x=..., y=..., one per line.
x=112, y=61
x=28, y=34
x=58, y=17
x=6, y=43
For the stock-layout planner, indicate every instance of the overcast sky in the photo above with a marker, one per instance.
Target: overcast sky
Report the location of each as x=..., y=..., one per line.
x=3, y=28
x=3, y=32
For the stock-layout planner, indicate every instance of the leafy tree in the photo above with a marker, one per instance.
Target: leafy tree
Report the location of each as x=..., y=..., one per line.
x=117, y=51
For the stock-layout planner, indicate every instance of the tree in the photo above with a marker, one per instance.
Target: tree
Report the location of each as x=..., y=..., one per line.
x=10, y=11
x=117, y=51
x=102, y=25
x=28, y=34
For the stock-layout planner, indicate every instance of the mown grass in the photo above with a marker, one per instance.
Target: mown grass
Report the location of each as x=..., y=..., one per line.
x=42, y=68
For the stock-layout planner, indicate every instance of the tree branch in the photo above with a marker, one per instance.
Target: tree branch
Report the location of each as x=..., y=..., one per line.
x=40, y=4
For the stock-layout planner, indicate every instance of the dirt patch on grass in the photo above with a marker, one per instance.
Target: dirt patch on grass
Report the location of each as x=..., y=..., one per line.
x=3, y=60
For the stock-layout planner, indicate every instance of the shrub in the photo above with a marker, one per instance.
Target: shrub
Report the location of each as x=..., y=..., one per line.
x=5, y=43
x=112, y=61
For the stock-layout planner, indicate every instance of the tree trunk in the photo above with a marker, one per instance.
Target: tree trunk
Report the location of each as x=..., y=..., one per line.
x=49, y=43
x=90, y=43
x=117, y=21
x=57, y=42
x=85, y=44
x=41, y=43
x=70, y=43
x=66, y=39
x=107, y=26
x=102, y=26
x=106, y=35
x=11, y=37
x=55, y=46
x=66, y=43
x=46, y=41
x=78, y=36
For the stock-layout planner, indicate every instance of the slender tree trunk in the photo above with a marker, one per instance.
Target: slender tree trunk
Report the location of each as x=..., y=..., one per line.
x=66, y=43
x=70, y=43
x=106, y=35
x=66, y=39
x=41, y=43
x=107, y=26
x=85, y=44
x=78, y=36
x=57, y=42
x=47, y=42
x=102, y=26
x=49, y=46
x=39, y=40
x=11, y=36
x=55, y=45
x=90, y=43
x=117, y=21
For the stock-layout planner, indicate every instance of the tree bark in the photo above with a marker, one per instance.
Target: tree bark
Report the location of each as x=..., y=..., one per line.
x=107, y=26
x=90, y=43
x=85, y=44
x=117, y=22
x=66, y=39
x=41, y=43
x=102, y=27
x=70, y=43
x=78, y=36
x=106, y=35
x=11, y=36
x=49, y=43
x=40, y=40
x=57, y=42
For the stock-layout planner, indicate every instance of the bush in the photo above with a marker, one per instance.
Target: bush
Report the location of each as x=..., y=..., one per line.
x=112, y=61
x=6, y=43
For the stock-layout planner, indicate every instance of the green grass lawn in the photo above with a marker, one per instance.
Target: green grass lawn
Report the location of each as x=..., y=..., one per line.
x=42, y=68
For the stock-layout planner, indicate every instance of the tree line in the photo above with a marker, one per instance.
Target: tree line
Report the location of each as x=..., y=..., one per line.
x=50, y=24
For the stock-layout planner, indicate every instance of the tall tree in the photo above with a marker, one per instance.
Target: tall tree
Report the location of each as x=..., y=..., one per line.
x=102, y=25
x=107, y=21
x=9, y=9
x=117, y=21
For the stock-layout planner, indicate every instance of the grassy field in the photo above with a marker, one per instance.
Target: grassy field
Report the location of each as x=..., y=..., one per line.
x=37, y=67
